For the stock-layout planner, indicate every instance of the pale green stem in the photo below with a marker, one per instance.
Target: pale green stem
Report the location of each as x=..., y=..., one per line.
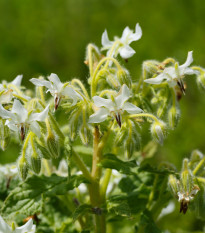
x=20, y=97
x=199, y=165
x=42, y=94
x=93, y=82
x=197, y=68
x=104, y=183
x=117, y=42
x=144, y=115
x=81, y=166
x=47, y=166
x=80, y=84
x=26, y=141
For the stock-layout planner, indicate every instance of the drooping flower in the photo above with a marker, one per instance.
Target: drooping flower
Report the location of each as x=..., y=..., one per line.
x=8, y=89
x=113, y=107
x=185, y=197
x=173, y=75
x=19, y=119
x=57, y=89
x=28, y=227
x=9, y=169
x=122, y=48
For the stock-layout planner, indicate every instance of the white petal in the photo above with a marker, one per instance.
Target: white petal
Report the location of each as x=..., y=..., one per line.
x=101, y=102
x=157, y=80
x=138, y=32
x=99, y=116
x=106, y=43
x=4, y=228
x=41, y=116
x=17, y=81
x=20, y=111
x=72, y=94
x=25, y=228
x=12, y=125
x=125, y=34
x=131, y=108
x=189, y=60
x=126, y=52
x=6, y=97
x=41, y=83
x=5, y=114
x=35, y=128
x=56, y=82
x=123, y=96
x=189, y=71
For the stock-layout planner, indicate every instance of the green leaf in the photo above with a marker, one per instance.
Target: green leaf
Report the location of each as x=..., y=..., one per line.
x=112, y=162
x=148, y=224
x=162, y=171
x=126, y=205
x=27, y=197
x=81, y=210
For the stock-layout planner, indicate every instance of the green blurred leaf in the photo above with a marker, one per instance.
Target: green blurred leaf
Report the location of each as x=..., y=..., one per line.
x=128, y=204
x=112, y=162
x=27, y=197
x=81, y=210
x=147, y=223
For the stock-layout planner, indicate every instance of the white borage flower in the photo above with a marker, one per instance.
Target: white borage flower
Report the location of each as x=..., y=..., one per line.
x=113, y=107
x=19, y=119
x=9, y=169
x=173, y=75
x=123, y=48
x=8, y=89
x=58, y=89
x=185, y=197
x=28, y=227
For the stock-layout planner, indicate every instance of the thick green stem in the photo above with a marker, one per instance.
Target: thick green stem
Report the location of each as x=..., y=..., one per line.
x=104, y=183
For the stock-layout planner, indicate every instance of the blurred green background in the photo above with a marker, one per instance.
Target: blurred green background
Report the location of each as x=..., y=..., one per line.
x=40, y=37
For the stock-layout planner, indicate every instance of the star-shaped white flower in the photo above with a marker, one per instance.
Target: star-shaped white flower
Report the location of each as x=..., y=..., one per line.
x=57, y=89
x=28, y=227
x=8, y=89
x=113, y=107
x=19, y=119
x=9, y=169
x=173, y=75
x=123, y=48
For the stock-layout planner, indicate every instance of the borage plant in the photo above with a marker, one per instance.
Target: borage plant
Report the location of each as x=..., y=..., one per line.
x=82, y=167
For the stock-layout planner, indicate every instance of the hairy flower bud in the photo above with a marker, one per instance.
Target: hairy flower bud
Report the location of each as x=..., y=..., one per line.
x=124, y=77
x=174, y=184
x=35, y=163
x=84, y=134
x=23, y=167
x=173, y=116
x=201, y=80
x=151, y=66
x=53, y=146
x=158, y=131
x=196, y=156
x=4, y=135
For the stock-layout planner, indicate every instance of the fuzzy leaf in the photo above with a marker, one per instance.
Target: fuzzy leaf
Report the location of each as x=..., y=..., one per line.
x=81, y=210
x=27, y=197
x=112, y=162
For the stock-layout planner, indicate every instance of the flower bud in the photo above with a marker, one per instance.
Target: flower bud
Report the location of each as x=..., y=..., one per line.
x=84, y=134
x=158, y=131
x=120, y=137
x=196, y=156
x=173, y=117
x=23, y=167
x=35, y=163
x=129, y=148
x=113, y=81
x=186, y=176
x=151, y=66
x=53, y=146
x=174, y=184
x=201, y=80
x=124, y=77
x=4, y=135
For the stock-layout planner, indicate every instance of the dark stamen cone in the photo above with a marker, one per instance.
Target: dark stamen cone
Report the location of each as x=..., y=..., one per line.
x=118, y=119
